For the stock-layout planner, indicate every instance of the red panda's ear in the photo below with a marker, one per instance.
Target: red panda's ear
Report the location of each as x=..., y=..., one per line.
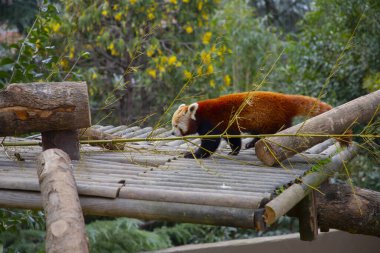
x=192, y=110
x=181, y=106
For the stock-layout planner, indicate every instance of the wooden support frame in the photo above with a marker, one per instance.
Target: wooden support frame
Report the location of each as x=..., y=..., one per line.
x=307, y=216
x=65, y=230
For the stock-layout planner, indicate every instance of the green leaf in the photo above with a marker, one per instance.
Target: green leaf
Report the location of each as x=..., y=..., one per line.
x=6, y=61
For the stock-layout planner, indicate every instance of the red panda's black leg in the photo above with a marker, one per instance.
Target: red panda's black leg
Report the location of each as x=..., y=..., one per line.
x=235, y=144
x=208, y=146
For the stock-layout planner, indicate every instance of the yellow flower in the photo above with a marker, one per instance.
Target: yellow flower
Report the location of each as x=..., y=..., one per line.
x=210, y=69
x=212, y=83
x=186, y=1
x=204, y=15
x=118, y=16
x=227, y=80
x=206, y=38
x=178, y=64
x=71, y=54
x=199, y=71
x=161, y=69
x=64, y=63
x=213, y=48
x=152, y=73
x=150, y=16
x=173, y=1
x=187, y=74
x=172, y=60
x=104, y=13
x=94, y=75
x=115, y=7
x=150, y=52
x=206, y=57
x=189, y=29
x=111, y=46
x=133, y=1
x=164, y=59
x=56, y=27
x=200, y=5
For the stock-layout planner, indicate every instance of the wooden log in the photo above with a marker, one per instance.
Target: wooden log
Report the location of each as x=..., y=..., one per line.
x=64, y=219
x=95, y=134
x=336, y=121
x=280, y=205
x=41, y=107
x=199, y=198
x=142, y=209
x=349, y=208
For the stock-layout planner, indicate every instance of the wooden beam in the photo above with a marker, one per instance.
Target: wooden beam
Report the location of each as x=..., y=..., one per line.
x=336, y=121
x=65, y=230
x=41, y=107
x=280, y=205
x=349, y=208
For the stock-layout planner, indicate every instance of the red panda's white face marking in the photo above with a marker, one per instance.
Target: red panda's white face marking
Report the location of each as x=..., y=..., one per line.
x=183, y=121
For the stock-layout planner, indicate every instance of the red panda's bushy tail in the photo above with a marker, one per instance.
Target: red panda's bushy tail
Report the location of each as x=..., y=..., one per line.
x=310, y=107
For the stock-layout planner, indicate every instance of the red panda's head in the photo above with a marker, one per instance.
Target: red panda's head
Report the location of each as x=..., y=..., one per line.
x=184, y=120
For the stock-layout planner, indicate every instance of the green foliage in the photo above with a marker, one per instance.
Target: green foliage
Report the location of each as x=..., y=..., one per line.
x=16, y=220
x=123, y=235
x=323, y=58
x=35, y=58
x=253, y=46
x=23, y=241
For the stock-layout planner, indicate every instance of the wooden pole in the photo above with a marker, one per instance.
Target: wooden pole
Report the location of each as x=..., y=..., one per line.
x=280, y=205
x=64, y=219
x=336, y=121
x=349, y=208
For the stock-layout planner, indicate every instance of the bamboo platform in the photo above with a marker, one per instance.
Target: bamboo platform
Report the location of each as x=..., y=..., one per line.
x=150, y=180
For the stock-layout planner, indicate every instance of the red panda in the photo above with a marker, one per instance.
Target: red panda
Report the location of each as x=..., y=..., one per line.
x=261, y=112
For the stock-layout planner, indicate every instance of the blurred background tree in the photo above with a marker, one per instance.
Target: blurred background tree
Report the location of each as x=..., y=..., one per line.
x=139, y=56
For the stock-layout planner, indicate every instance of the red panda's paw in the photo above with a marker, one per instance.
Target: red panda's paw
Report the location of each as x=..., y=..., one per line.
x=197, y=155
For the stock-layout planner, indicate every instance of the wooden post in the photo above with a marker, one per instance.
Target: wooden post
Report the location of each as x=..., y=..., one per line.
x=336, y=121
x=307, y=216
x=48, y=108
x=64, y=219
x=67, y=140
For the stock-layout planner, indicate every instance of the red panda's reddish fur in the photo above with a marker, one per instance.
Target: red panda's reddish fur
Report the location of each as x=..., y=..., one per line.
x=263, y=112
x=266, y=112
